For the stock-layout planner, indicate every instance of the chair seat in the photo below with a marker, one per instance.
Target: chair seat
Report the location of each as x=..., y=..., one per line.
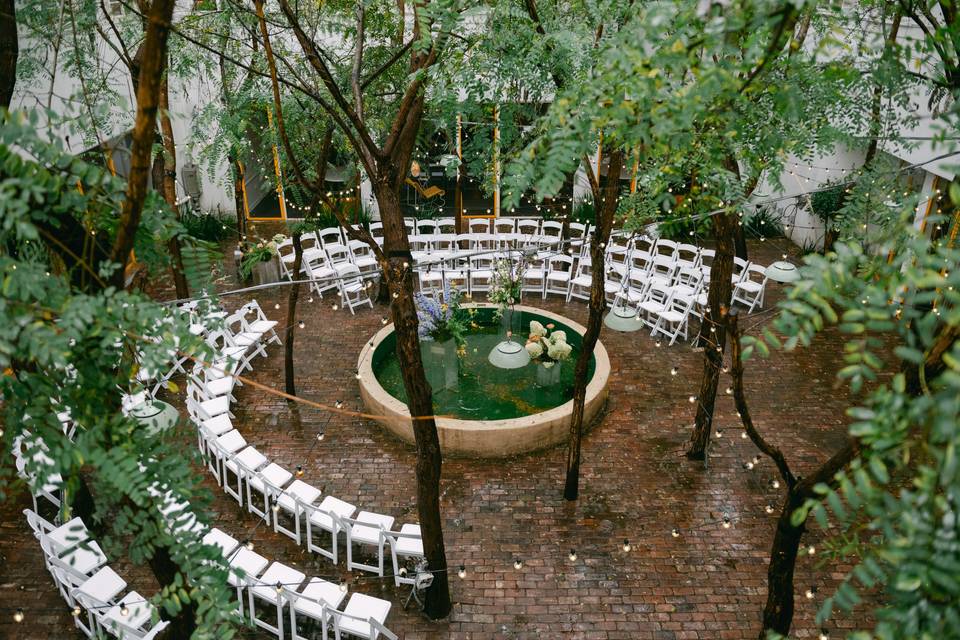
x=232, y=441
x=672, y=316
x=410, y=546
x=275, y=475
x=363, y=607
x=216, y=406
x=104, y=585
x=227, y=543
x=262, y=326
x=219, y=386
x=248, y=459
x=218, y=425
x=248, y=563
x=139, y=612
x=247, y=338
x=277, y=573
x=367, y=530
x=298, y=490
x=749, y=286
x=319, y=592
x=318, y=273
x=321, y=517
x=559, y=276
x=652, y=307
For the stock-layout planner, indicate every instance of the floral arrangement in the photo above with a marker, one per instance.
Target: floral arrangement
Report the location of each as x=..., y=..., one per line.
x=255, y=253
x=442, y=319
x=506, y=283
x=546, y=345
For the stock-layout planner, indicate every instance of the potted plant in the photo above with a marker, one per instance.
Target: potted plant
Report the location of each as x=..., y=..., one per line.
x=442, y=326
x=826, y=203
x=548, y=348
x=258, y=260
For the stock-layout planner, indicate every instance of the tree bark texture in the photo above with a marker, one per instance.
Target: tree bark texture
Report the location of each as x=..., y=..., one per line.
x=712, y=331
x=170, y=188
x=151, y=73
x=292, y=298
x=877, y=101
x=606, y=207
x=419, y=396
x=9, y=51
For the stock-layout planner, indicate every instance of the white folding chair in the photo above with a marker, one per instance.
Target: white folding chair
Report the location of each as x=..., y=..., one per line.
x=558, y=275
x=405, y=544
x=535, y=276
x=582, y=281
x=671, y=321
x=327, y=516
x=367, y=529
x=293, y=500
x=480, y=272
x=266, y=483
x=362, y=255
x=426, y=227
x=656, y=301
x=504, y=225
x=363, y=617
x=270, y=588
x=353, y=290
x=749, y=290
x=311, y=602
x=242, y=464
x=481, y=225
x=323, y=277
x=446, y=225
x=739, y=269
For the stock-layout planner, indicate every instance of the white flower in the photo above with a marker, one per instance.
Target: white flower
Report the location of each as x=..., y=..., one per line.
x=559, y=351
x=537, y=330
x=547, y=365
x=534, y=349
x=558, y=336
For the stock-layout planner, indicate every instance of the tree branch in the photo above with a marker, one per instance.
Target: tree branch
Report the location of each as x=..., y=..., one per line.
x=739, y=397
x=358, y=60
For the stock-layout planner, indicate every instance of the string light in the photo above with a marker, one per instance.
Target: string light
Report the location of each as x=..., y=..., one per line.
x=675, y=532
x=124, y=611
x=811, y=550
x=18, y=616
x=626, y=546
x=824, y=635
x=299, y=471
x=810, y=592
x=573, y=555
x=673, y=371
x=343, y=585
x=768, y=508
x=719, y=433
x=726, y=521
x=462, y=572
x=775, y=483
x=518, y=564
x=692, y=399
x=301, y=324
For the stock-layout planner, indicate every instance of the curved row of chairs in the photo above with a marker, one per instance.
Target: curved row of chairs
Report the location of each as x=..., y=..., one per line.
x=288, y=504
x=93, y=590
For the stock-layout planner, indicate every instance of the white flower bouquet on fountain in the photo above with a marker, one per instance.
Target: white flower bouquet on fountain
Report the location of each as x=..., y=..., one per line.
x=547, y=348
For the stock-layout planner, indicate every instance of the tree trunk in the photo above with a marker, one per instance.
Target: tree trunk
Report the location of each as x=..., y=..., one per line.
x=151, y=73
x=238, y=197
x=419, y=395
x=876, y=103
x=713, y=331
x=9, y=51
x=183, y=624
x=778, y=612
x=740, y=242
x=292, y=315
x=605, y=207
x=170, y=188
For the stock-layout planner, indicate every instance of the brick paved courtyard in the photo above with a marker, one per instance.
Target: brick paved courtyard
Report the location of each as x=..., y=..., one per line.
x=709, y=582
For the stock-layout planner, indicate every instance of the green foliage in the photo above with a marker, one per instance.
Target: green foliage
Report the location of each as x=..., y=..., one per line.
x=888, y=284
x=66, y=348
x=825, y=203
x=207, y=227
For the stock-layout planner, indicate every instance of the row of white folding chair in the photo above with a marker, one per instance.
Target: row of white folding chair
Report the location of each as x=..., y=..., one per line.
x=87, y=583
x=226, y=451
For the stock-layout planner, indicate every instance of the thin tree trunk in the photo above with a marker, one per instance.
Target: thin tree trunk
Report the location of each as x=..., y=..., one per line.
x=606, y=206
x=151, y=73
x=740, y=242
x=292, y=315
x=170, y=187
x=778, y=612
x=876, y=103
x=712, y=331
x=9, y=51
x=419, y=396
x=166, y=570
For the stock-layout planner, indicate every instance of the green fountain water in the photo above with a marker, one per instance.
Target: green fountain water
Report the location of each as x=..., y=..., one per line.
x=483, y=391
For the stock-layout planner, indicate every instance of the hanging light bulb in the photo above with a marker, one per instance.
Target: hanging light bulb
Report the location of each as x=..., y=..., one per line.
x=768, y=508
x=124, y=611
x=692, y=399
x=810, y=592
x=719, y=433
x=726, y=521
x=18, y=616
x=626, y=546
x=301, y=324
x=518, y=564
x=673, y=371
x=276, y=306
x=279, y=588
x=338, y=404
x=462, y=572
x=675, y=532
x=573, y=555
x=811, y=550
x=299, y=471
x=320, y=437
x=743, y=435
x=824, y=635
x=775, y=483
x=343, y=585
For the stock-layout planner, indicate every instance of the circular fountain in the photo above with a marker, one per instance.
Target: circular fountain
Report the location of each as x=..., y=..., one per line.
x=484, y=410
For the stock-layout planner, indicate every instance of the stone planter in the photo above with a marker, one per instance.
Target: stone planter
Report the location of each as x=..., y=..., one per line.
x=548, y=376
x=266, y=272
x=441, y=364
